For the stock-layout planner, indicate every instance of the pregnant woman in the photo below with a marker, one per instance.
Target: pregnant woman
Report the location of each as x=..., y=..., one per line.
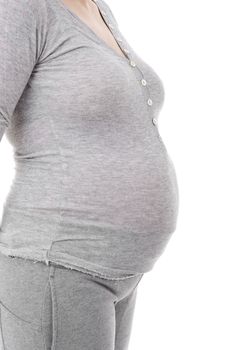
x=94, y=200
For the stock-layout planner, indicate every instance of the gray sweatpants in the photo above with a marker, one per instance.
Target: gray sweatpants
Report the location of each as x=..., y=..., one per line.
x=50, y=307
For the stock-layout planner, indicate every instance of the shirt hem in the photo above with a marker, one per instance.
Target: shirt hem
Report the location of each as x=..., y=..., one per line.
x=68, y=262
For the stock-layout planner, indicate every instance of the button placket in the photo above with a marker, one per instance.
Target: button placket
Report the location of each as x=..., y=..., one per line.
x=149, y=102
x=131, y=60
x=132, y=63
x=113, y=30
x=110, y=25
x=126, y=50
x=144, y=82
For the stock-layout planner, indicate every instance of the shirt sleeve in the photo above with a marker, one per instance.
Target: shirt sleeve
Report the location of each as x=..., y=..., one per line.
x=22, y=37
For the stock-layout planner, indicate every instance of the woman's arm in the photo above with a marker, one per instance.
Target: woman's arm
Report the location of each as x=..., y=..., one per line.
x=21, y=41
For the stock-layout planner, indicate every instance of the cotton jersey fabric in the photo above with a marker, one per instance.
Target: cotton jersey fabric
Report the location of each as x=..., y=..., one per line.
x=95, y=188
x=54, y=308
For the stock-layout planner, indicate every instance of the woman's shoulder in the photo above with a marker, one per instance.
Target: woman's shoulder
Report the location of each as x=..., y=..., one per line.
x=25, y=10
x=24, y=6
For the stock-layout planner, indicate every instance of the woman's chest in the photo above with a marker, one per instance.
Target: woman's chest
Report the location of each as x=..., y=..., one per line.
x=77, y=69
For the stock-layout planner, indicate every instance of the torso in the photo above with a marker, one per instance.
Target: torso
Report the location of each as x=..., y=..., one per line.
x=93, y=176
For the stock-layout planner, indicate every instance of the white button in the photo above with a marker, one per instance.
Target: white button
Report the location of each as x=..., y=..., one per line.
x=154, y=120
x=110, y=26
x=126, y=51
x=144, y=82
x=132, y=63
x=149, y=101
x=119, y=39
x=103, y=12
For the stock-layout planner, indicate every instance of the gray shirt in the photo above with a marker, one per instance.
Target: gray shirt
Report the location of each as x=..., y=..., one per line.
x=94, y=186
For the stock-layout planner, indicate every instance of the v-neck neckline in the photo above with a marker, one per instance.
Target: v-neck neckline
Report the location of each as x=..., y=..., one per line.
x=103, y=14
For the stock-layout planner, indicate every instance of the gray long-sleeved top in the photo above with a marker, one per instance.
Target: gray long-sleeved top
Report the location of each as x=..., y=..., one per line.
x=94, y=188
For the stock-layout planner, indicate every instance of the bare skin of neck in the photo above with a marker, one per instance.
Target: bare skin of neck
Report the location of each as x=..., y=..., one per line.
x=88, y=12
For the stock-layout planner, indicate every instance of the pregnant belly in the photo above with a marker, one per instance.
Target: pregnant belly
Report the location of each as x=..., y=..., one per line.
x=132, y=190
x=110, y=208
x=135, y=190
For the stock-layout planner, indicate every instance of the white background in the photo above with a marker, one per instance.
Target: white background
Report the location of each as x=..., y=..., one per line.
x=186, y=301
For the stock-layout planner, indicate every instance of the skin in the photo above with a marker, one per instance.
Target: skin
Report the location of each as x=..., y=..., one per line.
x=88, y=12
